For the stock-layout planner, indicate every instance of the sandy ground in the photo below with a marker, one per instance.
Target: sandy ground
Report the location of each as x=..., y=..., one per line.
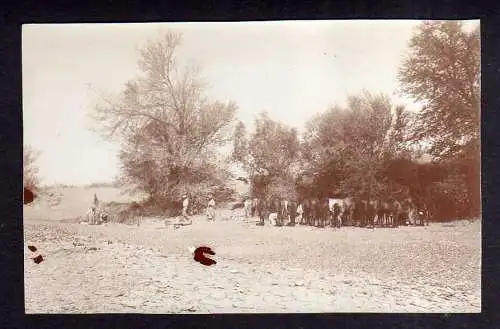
x=149, y=269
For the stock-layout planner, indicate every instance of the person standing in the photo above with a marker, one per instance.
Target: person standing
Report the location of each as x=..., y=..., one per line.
x=95, y=201
x=211, y=209
x=185, y=204
x=299, y=213
x=337, y=211
x=94, y=210
x=248, y=208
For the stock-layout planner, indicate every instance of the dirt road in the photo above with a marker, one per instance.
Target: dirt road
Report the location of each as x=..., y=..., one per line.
x=149, y=269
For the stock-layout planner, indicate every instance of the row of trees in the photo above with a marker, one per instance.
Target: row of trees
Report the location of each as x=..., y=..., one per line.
x=170, y=133
x=373, y=148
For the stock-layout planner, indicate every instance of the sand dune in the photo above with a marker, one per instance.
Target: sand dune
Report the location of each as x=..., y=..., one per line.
x=72, y=202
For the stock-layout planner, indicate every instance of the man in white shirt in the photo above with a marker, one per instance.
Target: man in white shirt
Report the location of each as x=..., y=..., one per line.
x=211, y=209
x=185, y=204
x=299, y=213
x=93, y=212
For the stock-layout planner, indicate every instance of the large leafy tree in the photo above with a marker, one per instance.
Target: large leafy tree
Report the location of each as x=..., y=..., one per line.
x=269, y=155
x=30, y=169
x=168, y=129
x=442, y=71
x=348, y=148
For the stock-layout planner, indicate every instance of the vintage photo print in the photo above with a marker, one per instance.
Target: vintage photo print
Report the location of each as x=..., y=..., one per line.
x=252, y=167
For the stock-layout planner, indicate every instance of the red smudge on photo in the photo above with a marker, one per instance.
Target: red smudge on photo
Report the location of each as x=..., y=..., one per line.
x=199, y=256
x=28, y=195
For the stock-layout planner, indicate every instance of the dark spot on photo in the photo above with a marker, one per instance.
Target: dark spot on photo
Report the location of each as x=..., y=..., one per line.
x=29, y=196
x=201, y=258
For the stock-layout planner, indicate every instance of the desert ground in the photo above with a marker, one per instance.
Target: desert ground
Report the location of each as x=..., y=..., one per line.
x=117, y=268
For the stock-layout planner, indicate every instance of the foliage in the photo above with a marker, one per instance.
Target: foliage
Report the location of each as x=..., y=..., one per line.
x=168, y=129
x=30, y=169
x=240, y=144
x=269, y=155
x=442, y=71
x=348, y=148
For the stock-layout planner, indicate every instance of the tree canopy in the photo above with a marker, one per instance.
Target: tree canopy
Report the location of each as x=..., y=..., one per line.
x=442, y=71
x=168, y=129
x=345, y=149
x=269, y=155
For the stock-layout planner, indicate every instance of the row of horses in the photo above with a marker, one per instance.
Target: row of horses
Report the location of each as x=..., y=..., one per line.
x=335, y=212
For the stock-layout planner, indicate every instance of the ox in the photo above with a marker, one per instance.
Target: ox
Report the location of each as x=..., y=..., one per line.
x=267, y=209
x=288, y=211
x=324, y=212
x=418, y=215
x=258, y=208
x=342, y=210
x=359, y=213
x=306, y=208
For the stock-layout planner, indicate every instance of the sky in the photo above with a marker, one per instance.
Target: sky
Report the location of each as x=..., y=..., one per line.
x=291, y=69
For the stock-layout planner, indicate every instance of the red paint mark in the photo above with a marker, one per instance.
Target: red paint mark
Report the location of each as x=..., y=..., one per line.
x=200, y=257
x=38, y=259
x=29, y=196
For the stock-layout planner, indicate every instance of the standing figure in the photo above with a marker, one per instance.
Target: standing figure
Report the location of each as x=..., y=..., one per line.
x=299, y=213
x=337, y=212
x=211, y=209
x=276, y=209
x=248, y=208
x=285, y=212
x=185, y=204
x=371, y=212
x=292, y=212
x=359, y=213
x=93, y=211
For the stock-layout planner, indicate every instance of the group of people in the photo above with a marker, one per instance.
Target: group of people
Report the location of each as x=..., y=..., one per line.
x=336, y=212
x=95, y=215
x=210, y=211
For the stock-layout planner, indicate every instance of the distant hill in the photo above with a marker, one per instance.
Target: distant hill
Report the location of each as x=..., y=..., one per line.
x=57, y=203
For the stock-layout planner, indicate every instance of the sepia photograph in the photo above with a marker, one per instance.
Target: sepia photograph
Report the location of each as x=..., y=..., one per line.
x=324, y=166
